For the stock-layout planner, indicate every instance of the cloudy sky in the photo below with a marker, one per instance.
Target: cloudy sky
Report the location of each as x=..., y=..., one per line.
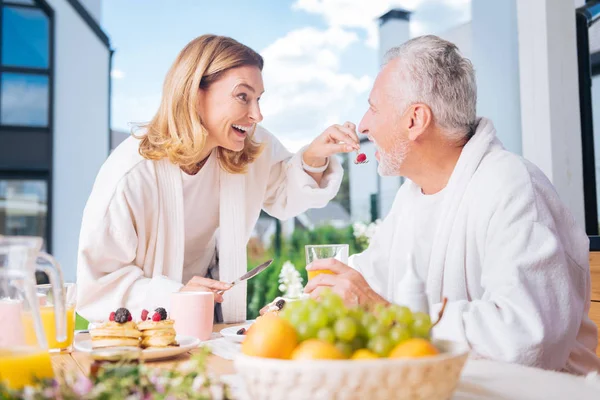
x=320, y=55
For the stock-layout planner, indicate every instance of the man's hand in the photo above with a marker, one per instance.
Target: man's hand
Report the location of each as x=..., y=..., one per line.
x=348, y=283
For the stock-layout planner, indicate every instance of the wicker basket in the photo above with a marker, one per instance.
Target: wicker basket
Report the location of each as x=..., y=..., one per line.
x=428, y=378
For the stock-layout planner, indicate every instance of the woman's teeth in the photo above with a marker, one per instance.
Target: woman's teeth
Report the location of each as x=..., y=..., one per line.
x=241, y=128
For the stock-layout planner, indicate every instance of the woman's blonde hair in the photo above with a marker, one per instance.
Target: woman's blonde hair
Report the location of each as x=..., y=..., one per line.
x=176, y=131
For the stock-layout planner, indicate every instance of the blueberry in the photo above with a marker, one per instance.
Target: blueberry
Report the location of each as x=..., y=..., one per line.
x=122, y=315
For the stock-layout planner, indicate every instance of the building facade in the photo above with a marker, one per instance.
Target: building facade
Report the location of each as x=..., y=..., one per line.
x=54, y=118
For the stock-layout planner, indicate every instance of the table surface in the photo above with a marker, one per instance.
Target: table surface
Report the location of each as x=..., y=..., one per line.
x=480, y=379
x=79, y=362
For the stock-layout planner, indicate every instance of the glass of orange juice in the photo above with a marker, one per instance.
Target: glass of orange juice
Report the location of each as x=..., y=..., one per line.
x=22, y=365
x=322, y=251
x=48, y=319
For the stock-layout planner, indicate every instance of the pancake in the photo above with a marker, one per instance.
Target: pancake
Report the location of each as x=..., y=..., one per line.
x=157, y=333
x=102, y=342
x=154, y=325
x=112, y=334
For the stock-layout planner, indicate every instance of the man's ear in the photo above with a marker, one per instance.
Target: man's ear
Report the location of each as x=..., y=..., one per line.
x=421, y=118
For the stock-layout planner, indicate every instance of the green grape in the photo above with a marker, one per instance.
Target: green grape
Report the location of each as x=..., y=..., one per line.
x=399, y=334
x=345, y=348
x=332, y=302
x=298, y=318
x=378, y=308
x=366, y=321
x=380, y=345
x=345, y=329
x=306, y=331
x=386, y=316
x=358, y=343
x=326, y=334
x=421, y=325
x=318, y=318
x=376, y=329
x=403, y=315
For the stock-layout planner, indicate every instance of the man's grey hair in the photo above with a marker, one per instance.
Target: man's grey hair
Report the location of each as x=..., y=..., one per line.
x=434, y=72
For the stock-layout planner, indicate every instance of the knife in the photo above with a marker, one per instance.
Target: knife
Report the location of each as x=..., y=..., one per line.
x=250, y=274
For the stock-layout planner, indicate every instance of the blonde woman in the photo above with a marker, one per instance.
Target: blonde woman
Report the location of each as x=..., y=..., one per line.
x=173, y=207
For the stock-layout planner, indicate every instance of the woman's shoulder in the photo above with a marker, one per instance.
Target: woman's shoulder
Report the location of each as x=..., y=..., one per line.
x=125, y=170
x=273, y=149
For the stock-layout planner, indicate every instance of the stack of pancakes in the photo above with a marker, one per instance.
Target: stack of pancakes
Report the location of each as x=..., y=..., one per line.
x=113, y=334
x=157, y=333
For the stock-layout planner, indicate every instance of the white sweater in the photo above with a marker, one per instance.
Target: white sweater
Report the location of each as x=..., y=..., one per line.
x=507, y=254
x=131, y=245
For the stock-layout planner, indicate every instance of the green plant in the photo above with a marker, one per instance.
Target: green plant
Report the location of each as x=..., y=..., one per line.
x=188, y=380
x=265, y=287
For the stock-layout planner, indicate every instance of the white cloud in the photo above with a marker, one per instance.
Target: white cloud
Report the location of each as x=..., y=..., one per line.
x=306, y=91
x=363, y=14
x=24, y=101
x=117, y=74
x=128, y=110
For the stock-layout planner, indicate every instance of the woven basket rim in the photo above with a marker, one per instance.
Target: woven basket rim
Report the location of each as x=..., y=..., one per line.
x=455, y=350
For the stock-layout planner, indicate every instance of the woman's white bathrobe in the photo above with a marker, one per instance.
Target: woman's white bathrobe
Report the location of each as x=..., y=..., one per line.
x=509, y=257
x=131, y=245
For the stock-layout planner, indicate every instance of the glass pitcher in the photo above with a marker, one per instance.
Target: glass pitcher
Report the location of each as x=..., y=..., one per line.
x=23, y=253
x=21, y=362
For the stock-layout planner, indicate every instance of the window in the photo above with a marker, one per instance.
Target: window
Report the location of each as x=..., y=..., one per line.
x=25, y=37
x=26, y=131
x=24, y=100
x=23, y=207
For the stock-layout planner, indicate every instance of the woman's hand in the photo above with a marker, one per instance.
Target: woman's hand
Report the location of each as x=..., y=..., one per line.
x=335, y=139
x=200, y=284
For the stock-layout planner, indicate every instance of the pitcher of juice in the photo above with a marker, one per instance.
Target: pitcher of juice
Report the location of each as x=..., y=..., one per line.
x=20, y=363
x=23, y=360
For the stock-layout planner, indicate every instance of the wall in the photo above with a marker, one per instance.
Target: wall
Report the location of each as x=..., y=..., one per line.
x=80, y=126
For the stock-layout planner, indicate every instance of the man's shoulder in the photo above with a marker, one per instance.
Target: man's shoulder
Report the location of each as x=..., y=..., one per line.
x=503, y=170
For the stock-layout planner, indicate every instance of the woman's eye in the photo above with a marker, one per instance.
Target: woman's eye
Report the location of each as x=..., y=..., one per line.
x=243, y=96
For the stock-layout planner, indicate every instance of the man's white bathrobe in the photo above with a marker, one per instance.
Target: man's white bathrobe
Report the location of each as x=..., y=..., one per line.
x=131, y=246
x=507, y=254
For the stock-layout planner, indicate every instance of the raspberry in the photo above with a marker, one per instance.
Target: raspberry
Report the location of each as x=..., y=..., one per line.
x=145, y=314
x=156, y=317
x=362, y=157
x=130, y=318
x=122, y=315
x=112, y=316
x=162, y=312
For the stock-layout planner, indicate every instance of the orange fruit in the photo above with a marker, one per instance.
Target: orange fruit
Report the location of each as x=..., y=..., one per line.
x=363, y=354
x=270, y=337
x=315, y=349
x=414, y=348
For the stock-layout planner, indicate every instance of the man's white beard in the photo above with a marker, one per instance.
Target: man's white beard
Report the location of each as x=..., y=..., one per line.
x=391, y=162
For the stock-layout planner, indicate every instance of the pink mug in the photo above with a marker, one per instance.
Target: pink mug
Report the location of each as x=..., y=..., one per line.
x=193, y=313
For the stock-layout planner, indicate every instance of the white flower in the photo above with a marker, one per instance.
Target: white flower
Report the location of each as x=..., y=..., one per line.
x=363, y=232
x=290, y=281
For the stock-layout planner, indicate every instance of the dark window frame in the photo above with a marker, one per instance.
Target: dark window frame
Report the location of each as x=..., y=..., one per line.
x=45, y=174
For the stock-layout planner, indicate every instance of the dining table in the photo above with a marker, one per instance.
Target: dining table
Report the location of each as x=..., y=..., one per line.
x=480, y=379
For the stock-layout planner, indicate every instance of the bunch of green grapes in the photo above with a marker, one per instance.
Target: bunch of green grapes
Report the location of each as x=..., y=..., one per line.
x=378, y=329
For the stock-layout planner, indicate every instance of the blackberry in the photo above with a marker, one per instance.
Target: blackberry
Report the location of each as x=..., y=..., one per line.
x=122, y=315
x=280, y=303
x=162, y=312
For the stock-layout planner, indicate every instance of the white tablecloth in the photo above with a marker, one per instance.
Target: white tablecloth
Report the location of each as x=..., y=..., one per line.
x=492, y=380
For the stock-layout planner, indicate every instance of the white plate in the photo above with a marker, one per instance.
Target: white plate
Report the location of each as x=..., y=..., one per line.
x=231, y=332
x=186, y=343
